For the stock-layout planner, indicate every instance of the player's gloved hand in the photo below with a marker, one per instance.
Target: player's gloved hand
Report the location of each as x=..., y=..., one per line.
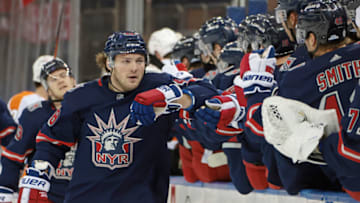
x=295, y=129
x=33, y=187
x=152, y=103
x=256, y=71
x=176, y=69
x=222, y=113
x=6, y=195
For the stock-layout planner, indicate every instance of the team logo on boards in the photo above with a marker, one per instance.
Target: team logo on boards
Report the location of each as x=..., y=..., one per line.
x=112, y=146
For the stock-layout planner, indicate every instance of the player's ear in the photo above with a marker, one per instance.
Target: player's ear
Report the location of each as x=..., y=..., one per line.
x=73, y=81
x=312, y=39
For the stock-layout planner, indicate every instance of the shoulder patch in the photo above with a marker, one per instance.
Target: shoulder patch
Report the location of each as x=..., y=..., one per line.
x=286, y=66
x=52, y=120
x=34, y=106
x=236, y=71
x=19, y=133
x=77, y=87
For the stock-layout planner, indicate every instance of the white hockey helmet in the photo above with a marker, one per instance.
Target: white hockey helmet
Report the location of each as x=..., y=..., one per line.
x=163, y=41
x=37, y=66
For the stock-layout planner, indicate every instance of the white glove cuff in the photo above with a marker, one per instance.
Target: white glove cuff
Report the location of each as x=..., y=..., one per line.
x=250, y=78
x=7, y=197
x=170, y=92
x=239, y=114
x=34, y=183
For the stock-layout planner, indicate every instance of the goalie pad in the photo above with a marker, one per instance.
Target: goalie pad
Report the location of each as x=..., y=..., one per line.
x=295, y=129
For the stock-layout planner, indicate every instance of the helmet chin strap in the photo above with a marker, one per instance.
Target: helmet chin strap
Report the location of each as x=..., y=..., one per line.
x=53, y=101
x=111, y=85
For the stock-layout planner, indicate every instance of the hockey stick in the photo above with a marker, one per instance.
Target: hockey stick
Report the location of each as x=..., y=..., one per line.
x=58, y=28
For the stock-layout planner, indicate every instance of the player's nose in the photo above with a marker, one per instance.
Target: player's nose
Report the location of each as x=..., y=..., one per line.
x=135, y=66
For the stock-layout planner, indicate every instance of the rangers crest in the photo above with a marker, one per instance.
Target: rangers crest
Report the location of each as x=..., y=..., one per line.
x=286, y=66
x=111, y=146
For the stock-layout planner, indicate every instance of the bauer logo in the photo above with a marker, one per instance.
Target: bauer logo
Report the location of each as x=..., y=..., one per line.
x=112, y=146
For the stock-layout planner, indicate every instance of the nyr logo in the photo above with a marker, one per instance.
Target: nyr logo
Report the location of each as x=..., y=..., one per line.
x=112, y=146
x=65, y=168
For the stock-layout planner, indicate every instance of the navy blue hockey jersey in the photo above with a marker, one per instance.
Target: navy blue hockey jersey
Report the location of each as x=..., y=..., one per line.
x=324, y=82
x=341, y=150
x=116, y=160
x=224, y=79
x=22, y=148
x=7, y=125
x=327, y=82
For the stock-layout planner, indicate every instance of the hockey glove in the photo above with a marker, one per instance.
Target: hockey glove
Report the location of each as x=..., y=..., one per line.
x=295, y=129
x=176, y=69
x=256, y=71
x=161, y=98
x=33, y=187
x=6, y=195
x=222, y=113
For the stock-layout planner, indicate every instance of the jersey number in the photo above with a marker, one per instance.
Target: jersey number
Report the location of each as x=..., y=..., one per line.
x=354, y=114
x=332, y=101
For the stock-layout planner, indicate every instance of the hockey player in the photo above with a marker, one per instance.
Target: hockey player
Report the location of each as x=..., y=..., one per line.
x=160, y=45
x=20, y=101
x=222, y=135
x=184, y=50
x=195, y=152
x=7, y=125
x=227, y=111
x=326, y=47
x=353, y=29
x=286, y=14
x=214, y=34
x=120, y=157
x=57, y=79
x=336, y=146
x=228, y=65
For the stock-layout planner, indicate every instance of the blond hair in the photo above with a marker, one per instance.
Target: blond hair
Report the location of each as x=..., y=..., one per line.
x=100, y=59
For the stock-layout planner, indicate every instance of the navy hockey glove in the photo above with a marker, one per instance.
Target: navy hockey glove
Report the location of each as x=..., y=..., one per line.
x=256, y=71
x=148, y=105
x=33, y=187
x=222, y=113
x=6, y=195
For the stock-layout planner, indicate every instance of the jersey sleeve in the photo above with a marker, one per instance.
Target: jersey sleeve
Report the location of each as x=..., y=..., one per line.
x=7, y=125
x=201, y=89
x=14, y=155
x=342, y=150
x=238, y=175
x=59, y=133
x=253, y=140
